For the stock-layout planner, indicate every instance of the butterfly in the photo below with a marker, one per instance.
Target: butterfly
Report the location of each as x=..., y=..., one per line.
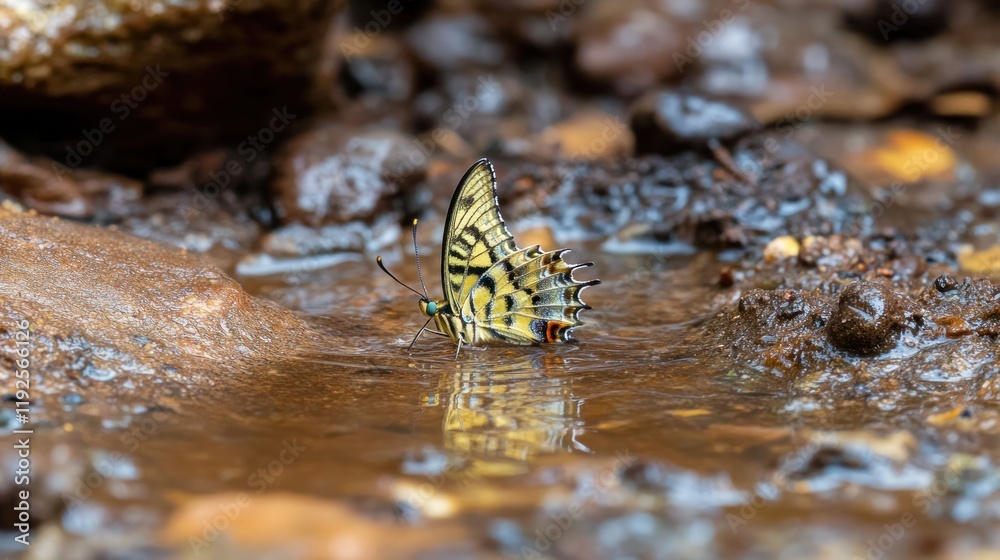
x=493, y=290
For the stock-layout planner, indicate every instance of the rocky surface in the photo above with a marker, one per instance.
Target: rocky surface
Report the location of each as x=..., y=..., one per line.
x=335, y=174
x=668, y=122
x=45, y=185
x=112, y=69
x=869, y=320
x=674, y=204
x=107, y=310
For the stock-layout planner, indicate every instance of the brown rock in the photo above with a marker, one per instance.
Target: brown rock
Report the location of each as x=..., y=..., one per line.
x=448, y=43
x=42, y=184
x=630, y=49
x=866, y=320
x=102, y=74
x=590, y=134
x=102, y=304
x=297, y=526
x=335, y=174
x=667, y=122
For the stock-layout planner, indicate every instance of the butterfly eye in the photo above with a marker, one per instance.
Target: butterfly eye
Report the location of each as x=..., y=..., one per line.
x=432, y=308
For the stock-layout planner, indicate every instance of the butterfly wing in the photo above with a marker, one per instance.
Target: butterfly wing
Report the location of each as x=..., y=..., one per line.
x=527, y=297
x=520, y=296
x=475, y=237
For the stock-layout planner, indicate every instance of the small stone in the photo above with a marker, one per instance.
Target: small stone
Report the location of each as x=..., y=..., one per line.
x=726, y=277
x=110, y=286
x=834, y=184
x=335, y=174
x=866, y=319
x=588, y=135
x=780, y=248
x=980, y=263
x=448, y=43
x=631, y=51
x=945, y=283
x=667, y=122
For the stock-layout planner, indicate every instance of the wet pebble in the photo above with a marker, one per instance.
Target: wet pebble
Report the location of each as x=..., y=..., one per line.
x=629, y=50
x=40, y=184
x=866, y=319
x=143, y=306
x=945, y=283
x=334, y=174
x=453, y=42
x=667, y=122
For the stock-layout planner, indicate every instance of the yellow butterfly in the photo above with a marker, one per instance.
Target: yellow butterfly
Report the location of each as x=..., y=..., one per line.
x=494, y=291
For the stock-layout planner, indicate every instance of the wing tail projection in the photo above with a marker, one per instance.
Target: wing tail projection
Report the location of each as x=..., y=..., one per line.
x=530, y=295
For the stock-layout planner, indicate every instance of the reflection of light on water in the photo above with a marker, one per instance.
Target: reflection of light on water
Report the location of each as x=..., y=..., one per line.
x=503, y=416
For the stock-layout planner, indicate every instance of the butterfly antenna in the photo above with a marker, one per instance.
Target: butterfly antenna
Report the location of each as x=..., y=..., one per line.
x=416, y=254
x=385, y=270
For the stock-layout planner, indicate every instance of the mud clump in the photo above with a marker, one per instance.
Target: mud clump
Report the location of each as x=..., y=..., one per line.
x=866, y=319
x=859, y=320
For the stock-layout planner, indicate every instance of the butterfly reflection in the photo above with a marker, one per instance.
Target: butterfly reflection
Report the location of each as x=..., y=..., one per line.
x=501, y=416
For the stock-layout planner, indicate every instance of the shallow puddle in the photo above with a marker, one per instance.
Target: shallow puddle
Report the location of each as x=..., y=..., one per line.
x=663, y=450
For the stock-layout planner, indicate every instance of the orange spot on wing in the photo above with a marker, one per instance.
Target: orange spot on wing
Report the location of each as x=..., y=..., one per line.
x=552, y=331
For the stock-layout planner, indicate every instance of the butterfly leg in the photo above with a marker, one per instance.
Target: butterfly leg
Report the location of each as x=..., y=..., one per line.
x=459, y=347
x=414, y=341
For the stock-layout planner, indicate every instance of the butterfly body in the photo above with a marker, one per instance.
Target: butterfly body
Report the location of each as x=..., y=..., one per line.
x=493, y=290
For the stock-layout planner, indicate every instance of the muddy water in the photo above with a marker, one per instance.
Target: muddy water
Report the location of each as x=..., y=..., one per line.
x=699, y=457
